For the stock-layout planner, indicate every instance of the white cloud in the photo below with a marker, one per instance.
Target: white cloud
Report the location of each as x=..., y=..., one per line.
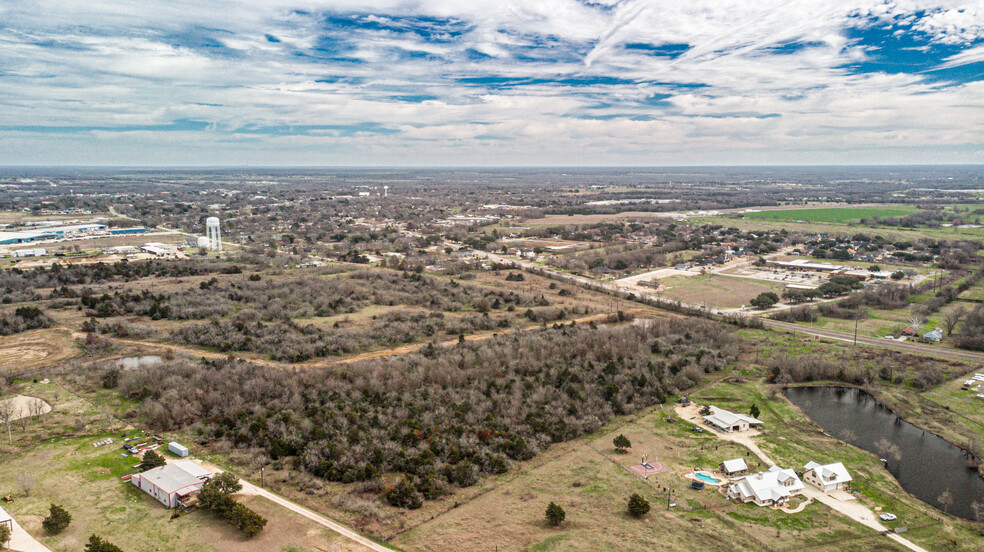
x=581, y=97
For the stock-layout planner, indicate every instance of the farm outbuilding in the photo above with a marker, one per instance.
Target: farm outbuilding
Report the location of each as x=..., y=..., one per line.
x=170, y=483
x=177, y=448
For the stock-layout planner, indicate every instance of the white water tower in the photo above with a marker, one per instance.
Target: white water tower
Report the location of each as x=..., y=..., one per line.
x=213, y=233
x=386, y=191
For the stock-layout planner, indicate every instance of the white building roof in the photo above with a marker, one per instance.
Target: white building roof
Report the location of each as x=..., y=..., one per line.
x=193, y=468
x=4, y=516
x=173, y=477
x=830, y=473
x=736, y=465
x=725, y=419
x=769, y=486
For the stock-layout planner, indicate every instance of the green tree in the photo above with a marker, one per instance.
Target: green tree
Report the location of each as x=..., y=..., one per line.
x=754, y=411
x=765, y=300
x=638, y=506
x=404, y=495
x=97, y=544
x=5, y=534
x=57, y=521
x=621, y=443
x=555, y=514
x=152, y=459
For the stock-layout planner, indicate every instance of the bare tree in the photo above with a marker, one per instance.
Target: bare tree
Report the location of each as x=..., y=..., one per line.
x=945, y=500
x=36, y=407
x=7, y=417
x=978, y=509
x=887, y=449
x=26, y=483
x=951, y=318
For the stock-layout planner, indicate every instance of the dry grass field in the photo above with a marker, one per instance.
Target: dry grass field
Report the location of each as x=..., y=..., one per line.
x=592, y=483
x=35, y=349
x=715, y=290
x=559, y=220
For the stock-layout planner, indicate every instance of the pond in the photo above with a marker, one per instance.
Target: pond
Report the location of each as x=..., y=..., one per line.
x=924, y=464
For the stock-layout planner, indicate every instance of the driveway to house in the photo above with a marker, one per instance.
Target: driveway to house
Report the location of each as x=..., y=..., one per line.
x=22, y=541
x=250, y=489
x=849, y=508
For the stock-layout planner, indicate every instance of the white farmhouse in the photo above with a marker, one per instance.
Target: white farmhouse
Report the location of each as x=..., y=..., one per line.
x=768, y=488
x=729, y=421
x=830, y=477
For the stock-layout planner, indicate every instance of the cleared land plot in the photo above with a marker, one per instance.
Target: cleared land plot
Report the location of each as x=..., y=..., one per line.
x=85, y=480
x=35, y=349
x=838, y=215
x=716, y=290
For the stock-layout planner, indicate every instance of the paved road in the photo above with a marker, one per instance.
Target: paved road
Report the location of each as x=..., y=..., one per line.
x=849, y=508
x=610, y=287
x=906, y=346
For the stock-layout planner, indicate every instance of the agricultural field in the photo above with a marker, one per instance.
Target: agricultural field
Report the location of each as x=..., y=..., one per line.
x=835, y=215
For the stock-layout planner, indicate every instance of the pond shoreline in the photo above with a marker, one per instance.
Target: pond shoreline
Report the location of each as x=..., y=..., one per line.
x=887, y=404
x=857, y=417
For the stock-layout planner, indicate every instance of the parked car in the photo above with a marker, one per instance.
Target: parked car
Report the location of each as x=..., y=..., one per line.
x=888, y=517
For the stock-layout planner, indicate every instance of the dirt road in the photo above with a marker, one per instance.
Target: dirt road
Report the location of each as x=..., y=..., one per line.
x=250, y=489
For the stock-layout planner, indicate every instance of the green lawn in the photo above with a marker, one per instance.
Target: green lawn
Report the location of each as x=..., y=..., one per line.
x=839, y=215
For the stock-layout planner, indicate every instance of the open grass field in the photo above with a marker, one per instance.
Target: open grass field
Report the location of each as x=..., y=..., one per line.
x=35, y=349
x=838, y=215
x=716, y=290
x=762, y=225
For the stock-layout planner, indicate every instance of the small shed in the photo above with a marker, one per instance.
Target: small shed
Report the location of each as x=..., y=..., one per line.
x=934, y=336
x=177, y=448
x=735, y=466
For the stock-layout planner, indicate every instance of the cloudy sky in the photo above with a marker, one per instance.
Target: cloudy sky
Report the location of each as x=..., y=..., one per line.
x=491, y=82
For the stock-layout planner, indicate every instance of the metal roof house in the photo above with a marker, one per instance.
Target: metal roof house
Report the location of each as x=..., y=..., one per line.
x=735, y=466
x=934, y=335
x=170, y=483
x=726, y=421
x=768, y=488
x=830, y=477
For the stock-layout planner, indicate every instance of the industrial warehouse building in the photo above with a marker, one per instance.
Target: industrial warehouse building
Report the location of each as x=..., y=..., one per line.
x=26, y=236
x=171, y=483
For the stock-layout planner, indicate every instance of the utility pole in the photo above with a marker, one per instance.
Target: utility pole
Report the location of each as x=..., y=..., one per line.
x=857, y=317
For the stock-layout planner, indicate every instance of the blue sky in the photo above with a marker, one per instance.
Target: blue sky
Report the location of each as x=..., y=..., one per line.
x=491, y=82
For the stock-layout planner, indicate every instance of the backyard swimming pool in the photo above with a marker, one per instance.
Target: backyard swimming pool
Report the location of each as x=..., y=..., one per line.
x=707, y=479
